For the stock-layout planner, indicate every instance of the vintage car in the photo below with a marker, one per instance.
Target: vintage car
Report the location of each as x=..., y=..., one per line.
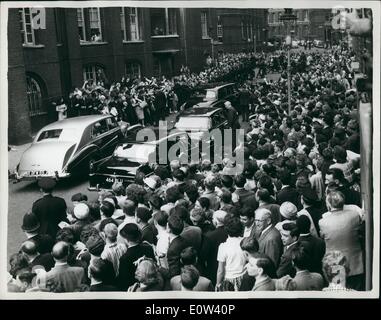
x=65, y=147
x=136, y=155
x=212, y=95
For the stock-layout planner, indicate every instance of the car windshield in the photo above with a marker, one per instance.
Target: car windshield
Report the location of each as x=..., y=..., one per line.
x=193, y=123
x=210, y=95
x=67, y=134
x=135, y=152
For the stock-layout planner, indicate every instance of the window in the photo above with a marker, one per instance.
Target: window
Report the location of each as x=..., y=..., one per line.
x=219, y=30
x=204, y=24
x=93, y=72
x=89, y=24
x=99, y=128
x=156, y=67
x=133, y=69
x=34, y=96
x=163, y=21
x=26, y=28
x=305, y=15
x=131, y=24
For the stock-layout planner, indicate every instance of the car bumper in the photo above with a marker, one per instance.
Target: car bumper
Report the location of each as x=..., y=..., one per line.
x=32, y=176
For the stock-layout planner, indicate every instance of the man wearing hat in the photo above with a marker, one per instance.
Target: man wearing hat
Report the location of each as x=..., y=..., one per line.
x=31, y=226
x=49, y=210
x=312, y=209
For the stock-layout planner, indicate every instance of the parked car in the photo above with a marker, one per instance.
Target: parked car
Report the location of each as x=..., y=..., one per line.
x=65, y=147
x=135, y=155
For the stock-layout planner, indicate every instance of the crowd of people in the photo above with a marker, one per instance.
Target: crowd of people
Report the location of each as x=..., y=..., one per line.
x=146, y=101
x=291, y=221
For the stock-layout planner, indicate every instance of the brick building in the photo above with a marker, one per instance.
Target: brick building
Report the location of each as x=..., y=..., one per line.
x=77, y=44
x=309, y=24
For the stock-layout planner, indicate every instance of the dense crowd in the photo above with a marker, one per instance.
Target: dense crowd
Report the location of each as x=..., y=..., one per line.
x=147, y=101
x=292, y=220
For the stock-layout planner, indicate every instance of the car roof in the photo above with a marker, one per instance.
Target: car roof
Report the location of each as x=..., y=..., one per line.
x=200, y=110
x=132, y=139
x=76, y=122
x=221, y=86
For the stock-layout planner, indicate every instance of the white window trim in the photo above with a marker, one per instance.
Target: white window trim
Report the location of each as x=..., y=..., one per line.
x=137, y=23
x=84, y=24
x=26, y=42
x=167, y=22
x=85, y=40
x=99, y=22
x=123, y=23
x=204, y=25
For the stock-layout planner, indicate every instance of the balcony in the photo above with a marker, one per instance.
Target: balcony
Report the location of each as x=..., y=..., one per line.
x=165, y=43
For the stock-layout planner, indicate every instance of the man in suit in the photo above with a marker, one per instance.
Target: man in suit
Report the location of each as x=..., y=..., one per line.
x=340, y=228
x=314, y=246
x=30, y=249
x=304, y=279
x=288, y=192
x=98, y=272
x=177, y=244
x=270, y=242
x=189, y=258
x=311, y=204
x=212, y=240
x=136, y=249
x=64, y=277
x=259, y=268
x=241, y=195
x=49, y=210
x=289, y=235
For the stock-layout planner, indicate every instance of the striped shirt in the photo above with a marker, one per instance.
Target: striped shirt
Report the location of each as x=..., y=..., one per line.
x=112, y=252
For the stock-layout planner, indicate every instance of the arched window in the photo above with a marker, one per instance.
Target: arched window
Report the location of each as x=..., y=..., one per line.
x=35, y=97
x=133, y=69
x=94, y=72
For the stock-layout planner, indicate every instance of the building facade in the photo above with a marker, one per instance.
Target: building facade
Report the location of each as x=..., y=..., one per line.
x=309, y=24
x=78, y=44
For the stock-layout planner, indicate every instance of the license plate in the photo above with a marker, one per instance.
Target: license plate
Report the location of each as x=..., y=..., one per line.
x=112, y=180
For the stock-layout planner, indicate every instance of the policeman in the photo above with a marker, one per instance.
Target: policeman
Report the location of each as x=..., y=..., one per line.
x=50, y=210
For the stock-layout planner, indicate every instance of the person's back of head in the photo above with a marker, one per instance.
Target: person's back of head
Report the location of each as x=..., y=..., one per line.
x=227, y=181
x=250, y=245
x=189, y=277
x=95, y=245
x=335, y=200
x=129, y=208
x=107, y=208
x=29, y=247
x=240, y=180
x=17, y=261
x=179, y=175
x=161, y=218
x=131, y=233
x=67, y=235
x=98, y=269
x=111, y=232
x=155, y=201
x=263, y=195
x=303, y=223
x=204, y=202
x=300, y=258
x=175, y=224
x=143, y=214
x=340, y=154
x=219, y=217
x=188, y=256
x=335, y=267
x=233, y=226
x=226, y=196
x=172, y=194
x=60, y=251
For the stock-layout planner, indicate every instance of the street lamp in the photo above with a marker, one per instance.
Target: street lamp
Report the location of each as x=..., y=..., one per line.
x=288, y=18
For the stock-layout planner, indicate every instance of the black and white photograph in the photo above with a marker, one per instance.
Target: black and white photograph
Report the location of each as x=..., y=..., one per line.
x=172, y=149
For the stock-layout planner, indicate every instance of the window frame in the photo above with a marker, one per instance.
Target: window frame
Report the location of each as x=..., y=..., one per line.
x=33, y=87
x=24, y=24
x=126, y=24
x=133, y=64
x=93, y=72
x=204, y=25
x=167, y=32
x=84, y=16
